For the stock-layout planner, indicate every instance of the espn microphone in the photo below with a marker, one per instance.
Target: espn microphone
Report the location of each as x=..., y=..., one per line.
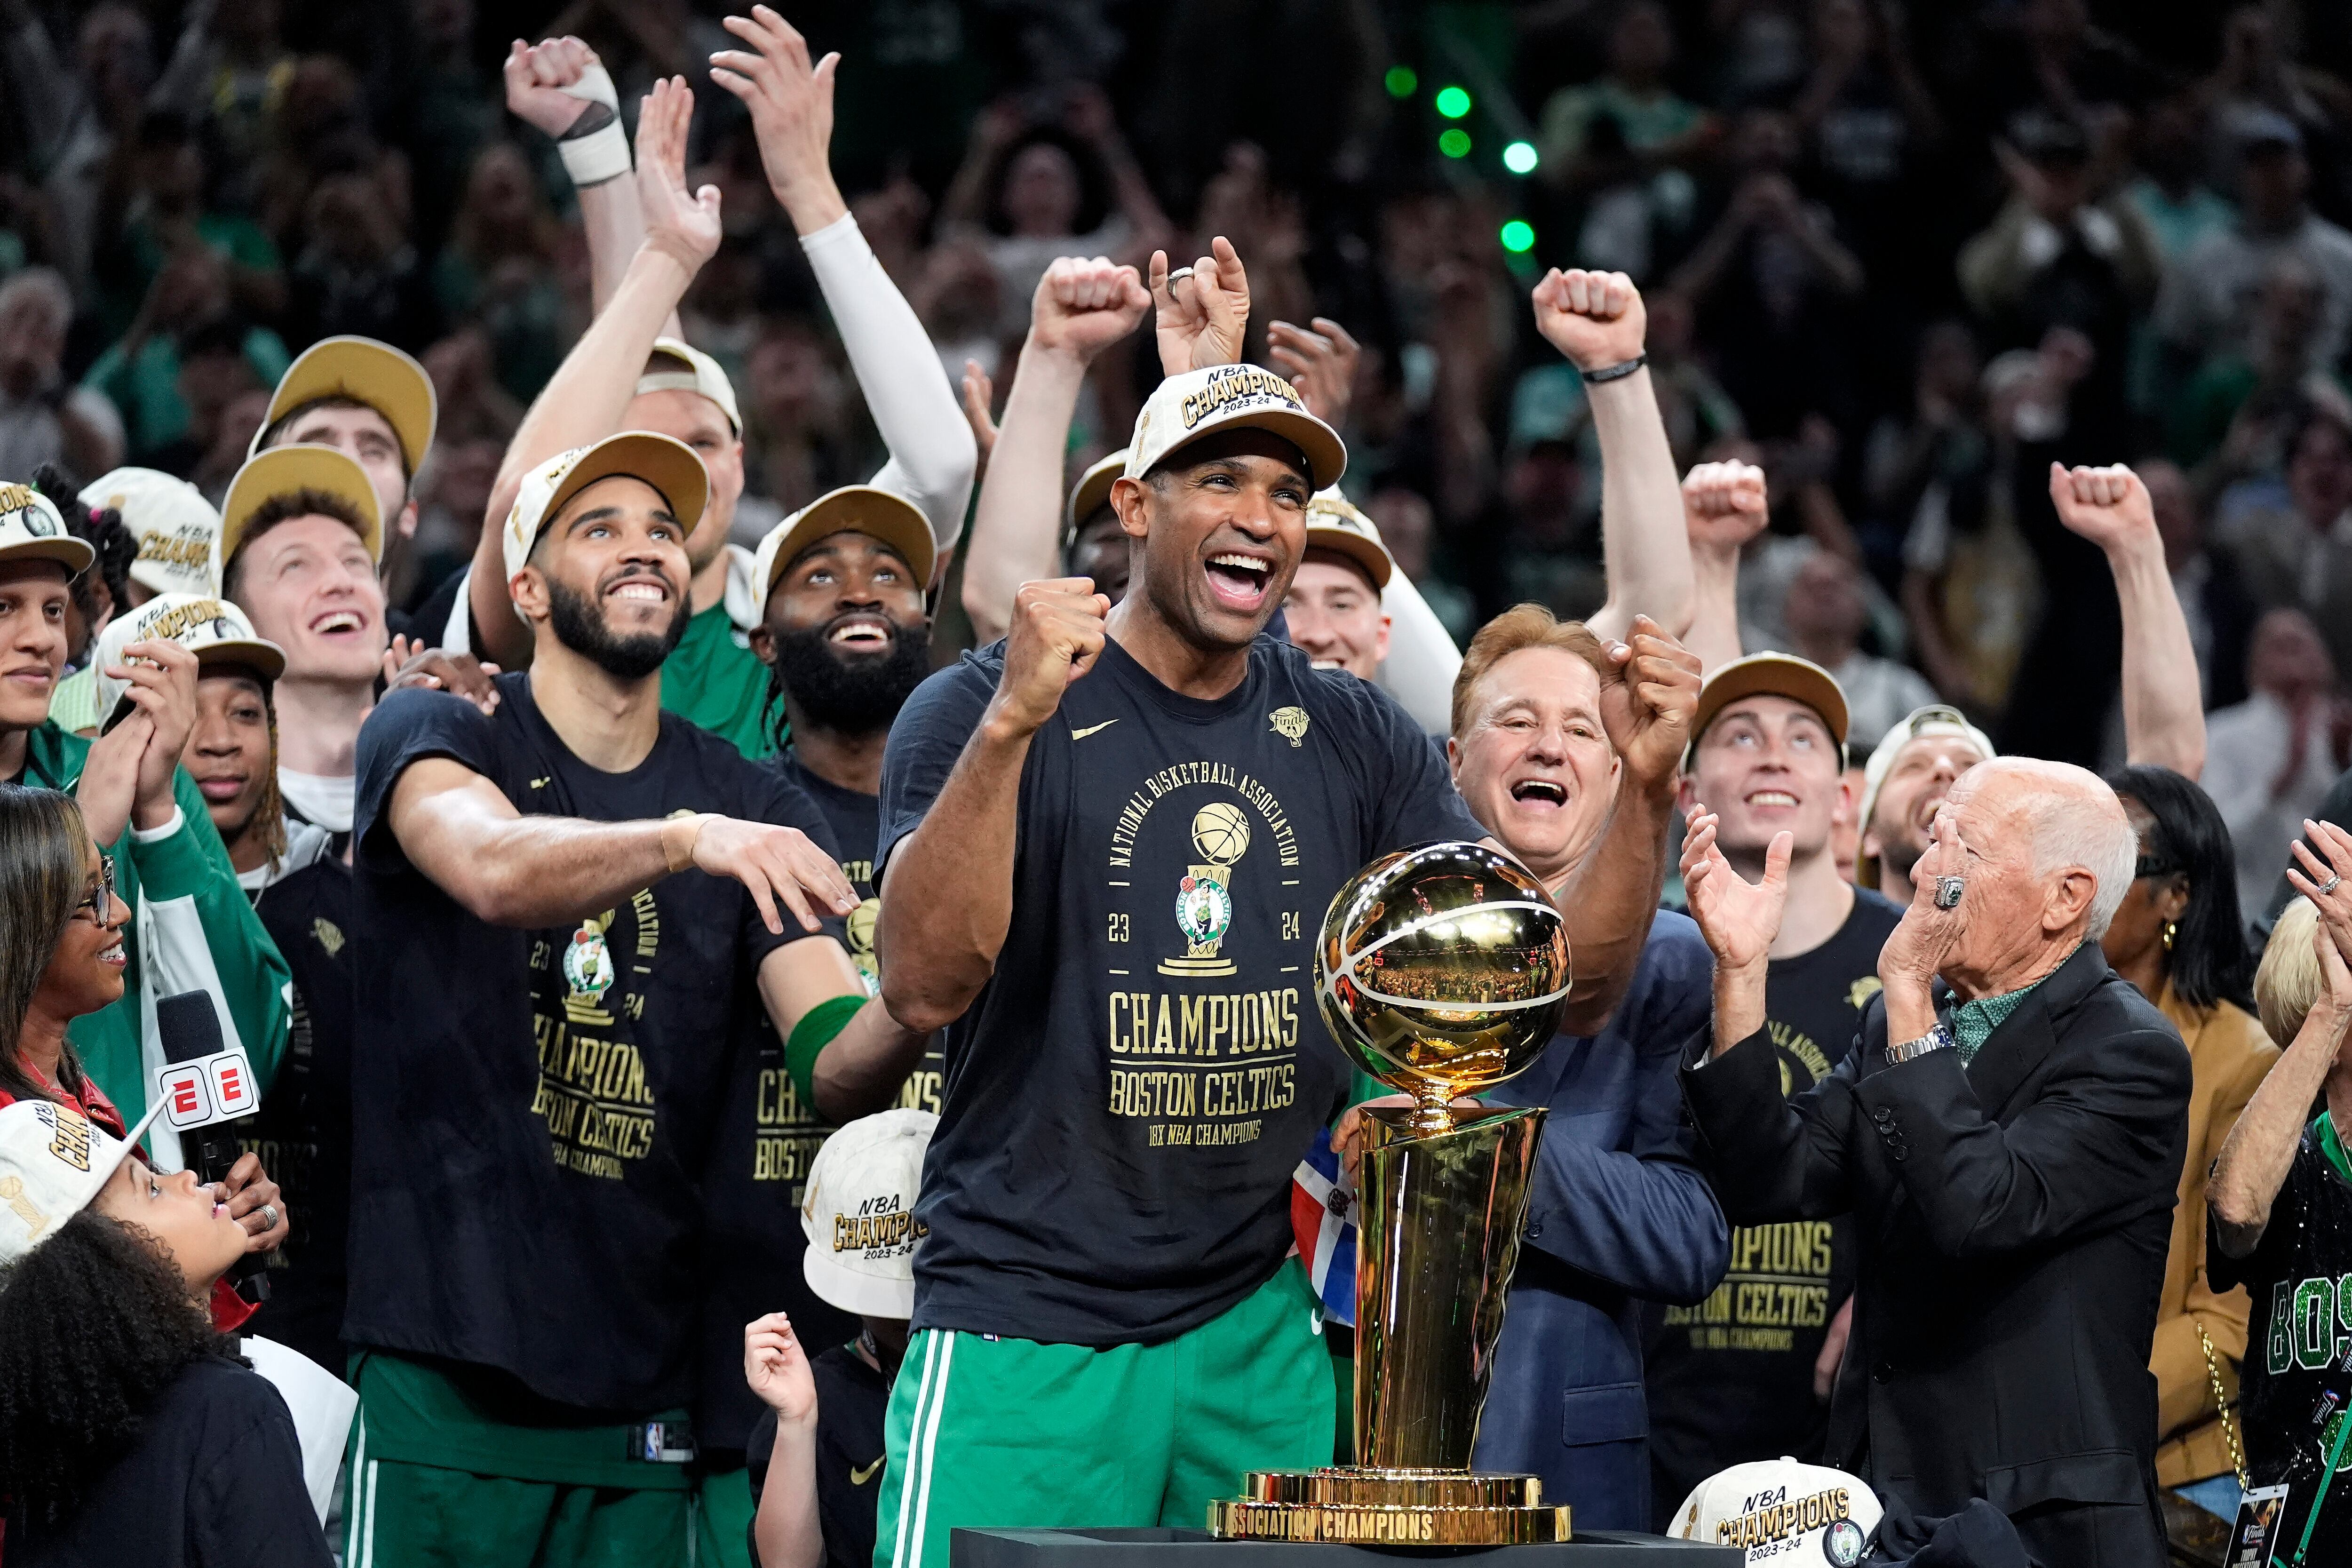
x=188, y=1027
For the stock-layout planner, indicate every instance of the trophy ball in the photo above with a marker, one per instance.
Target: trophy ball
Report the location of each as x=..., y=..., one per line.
x=1443, y=967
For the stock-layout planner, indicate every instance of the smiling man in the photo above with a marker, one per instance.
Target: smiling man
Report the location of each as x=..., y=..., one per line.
x=1903, y=783
x=567, y=904
x=1334, y=603
x=1746, y=1372
x=1619, y=1212
x=1107, y=846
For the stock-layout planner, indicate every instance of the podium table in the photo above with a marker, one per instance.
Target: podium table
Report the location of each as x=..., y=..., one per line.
x=1165, y=1548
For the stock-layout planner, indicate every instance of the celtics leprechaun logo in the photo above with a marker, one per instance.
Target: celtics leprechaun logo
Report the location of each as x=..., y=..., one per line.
x=1204, y=901
x=588, y=970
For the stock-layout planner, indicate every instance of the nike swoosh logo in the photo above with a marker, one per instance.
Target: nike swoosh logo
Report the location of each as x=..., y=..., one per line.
x=858, y=1477
x=541, y=784
x=1082, y=734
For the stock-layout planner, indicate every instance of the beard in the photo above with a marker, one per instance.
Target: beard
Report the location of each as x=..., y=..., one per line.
x=858, y=694
x=580, y=626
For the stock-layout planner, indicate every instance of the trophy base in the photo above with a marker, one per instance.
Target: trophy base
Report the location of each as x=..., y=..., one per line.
x=1366, y=1507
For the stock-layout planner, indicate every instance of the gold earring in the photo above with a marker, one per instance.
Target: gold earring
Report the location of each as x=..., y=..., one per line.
x=2169, y=928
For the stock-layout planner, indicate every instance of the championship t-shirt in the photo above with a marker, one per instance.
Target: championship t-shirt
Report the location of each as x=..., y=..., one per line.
x=768, y=1138
x=303, y=1130
x=1731, y=1379
x=1128, y=1096
x=530, y=1110
x=2292, y=1387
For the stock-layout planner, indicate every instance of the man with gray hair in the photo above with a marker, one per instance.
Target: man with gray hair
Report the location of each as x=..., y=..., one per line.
x=44, y=417
x=2007, y=1133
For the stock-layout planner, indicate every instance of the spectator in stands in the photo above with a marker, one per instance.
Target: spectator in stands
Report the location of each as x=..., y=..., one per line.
x=2177, y=936
x=2207, y=582
x=1625, y=143
x=2169, y=191
x=1826, y=618
x=2209, y=303
x=2262, y=379
x=45, y=418
x=2301, y=552
x=174, y=212
x=357, y=274
x=2273, y=757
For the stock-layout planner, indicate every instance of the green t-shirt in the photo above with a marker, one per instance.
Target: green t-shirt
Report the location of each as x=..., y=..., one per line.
x=145, y=386
x=713, y=678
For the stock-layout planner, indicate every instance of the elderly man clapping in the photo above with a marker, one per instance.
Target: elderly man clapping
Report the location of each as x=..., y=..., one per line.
x=2008, y=1132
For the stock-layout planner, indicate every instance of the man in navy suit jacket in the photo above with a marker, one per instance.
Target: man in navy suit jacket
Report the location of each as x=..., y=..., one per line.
x=1620, y=1210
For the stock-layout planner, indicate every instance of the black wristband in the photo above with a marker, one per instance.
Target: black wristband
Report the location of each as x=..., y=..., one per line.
x=1615, y=371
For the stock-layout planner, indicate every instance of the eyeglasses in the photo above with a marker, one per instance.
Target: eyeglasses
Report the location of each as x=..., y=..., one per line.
x=99, y=903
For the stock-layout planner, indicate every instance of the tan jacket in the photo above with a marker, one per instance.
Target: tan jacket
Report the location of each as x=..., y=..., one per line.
x=2229, y=1055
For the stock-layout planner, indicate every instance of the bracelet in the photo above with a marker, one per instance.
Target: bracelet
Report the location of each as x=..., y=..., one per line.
x=1615, y=371
x=678, y=837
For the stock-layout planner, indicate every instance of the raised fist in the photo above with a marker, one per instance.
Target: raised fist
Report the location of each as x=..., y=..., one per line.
x=1724, y=506
x=537, y=76
x=1596, y=319
x=1084, y=306
x=2109, y=506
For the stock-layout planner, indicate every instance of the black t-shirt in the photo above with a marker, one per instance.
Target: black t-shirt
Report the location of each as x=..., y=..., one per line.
x=1127, y=1097
x=531, y=1109
x=851, y=1399
x=2298, y=1280
x=214, y=1481
x=1731, y=1379
x=303, y=1130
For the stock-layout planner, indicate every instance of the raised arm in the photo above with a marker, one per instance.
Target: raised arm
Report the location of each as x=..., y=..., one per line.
x=1081, y=309
x=1608, y=900
x=589, y=394
x=2254, y=1162
x=947, y=889
x=932, y=453
x=2163, y=710
x=1723, y=507
x=560, y=87
x=454, y=825
x=1597, y=320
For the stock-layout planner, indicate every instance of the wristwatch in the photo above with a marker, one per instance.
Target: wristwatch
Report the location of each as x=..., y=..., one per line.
x=1938, y=1038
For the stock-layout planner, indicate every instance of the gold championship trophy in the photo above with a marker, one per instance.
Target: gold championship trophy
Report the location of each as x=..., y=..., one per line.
x=1442, y=971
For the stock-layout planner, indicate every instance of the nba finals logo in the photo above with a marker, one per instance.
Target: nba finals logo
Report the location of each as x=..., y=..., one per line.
x=1204, y=904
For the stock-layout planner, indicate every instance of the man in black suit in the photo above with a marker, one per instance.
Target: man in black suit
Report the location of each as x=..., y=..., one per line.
x=2009, y=1141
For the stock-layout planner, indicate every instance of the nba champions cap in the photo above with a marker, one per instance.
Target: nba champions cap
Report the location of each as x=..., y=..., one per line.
x=1232, y=396
x=669, y=465
x=53, y=1160
x=1783, y=1512
x=1334, y=522
x=679, y=366
x=364, y=371
x=853, y=509
x=1935, y=719
x=1091, y=493
x=281, y=471
x=175, y=525
x=31, y=529
x=859, y=1213
x=214, y=629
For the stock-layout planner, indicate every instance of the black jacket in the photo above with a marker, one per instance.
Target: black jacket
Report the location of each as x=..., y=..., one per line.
x=214, y=1481
x=2015, y=1215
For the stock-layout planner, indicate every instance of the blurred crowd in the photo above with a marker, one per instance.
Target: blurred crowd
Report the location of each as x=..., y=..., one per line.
x=1900, y=256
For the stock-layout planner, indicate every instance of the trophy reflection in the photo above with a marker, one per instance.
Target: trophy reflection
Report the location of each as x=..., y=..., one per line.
x=1442, y=971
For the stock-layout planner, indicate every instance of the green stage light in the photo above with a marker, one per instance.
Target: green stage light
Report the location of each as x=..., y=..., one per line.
x=1452, y=102
x=1520, y=157
x=1454, y=141
x=1519, y=237
x=1401, y=81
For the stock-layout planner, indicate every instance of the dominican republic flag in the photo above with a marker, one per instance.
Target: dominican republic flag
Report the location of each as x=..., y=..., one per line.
x=1323, y=1218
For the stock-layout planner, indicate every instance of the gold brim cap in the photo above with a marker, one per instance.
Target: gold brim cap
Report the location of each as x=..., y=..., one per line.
x=856, y=509
x=279, y=470
x=365, y=371
x=1185, y=408
x=32, y=528
x=1334, y=522
x=669, y=465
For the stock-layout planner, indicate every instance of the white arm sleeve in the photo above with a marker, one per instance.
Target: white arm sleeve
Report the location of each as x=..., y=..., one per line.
x=932, y=453
x=1423, y=661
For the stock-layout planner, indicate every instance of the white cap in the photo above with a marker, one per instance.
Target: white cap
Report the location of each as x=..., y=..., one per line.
x=32, y=528
x=1227, y=396
x=1334, y=522
x=175, y=525
x=859, y=1213
x=1090, y=494
x=214, y=629
x=1935, y=719
x=857, y=509
x=679, y=366
x=53, y=1160
x=671, y=466
x=1779, y=1511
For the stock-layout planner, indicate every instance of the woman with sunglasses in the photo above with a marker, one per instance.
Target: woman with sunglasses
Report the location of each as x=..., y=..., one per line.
x=2180, y=939
x=65, y=959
